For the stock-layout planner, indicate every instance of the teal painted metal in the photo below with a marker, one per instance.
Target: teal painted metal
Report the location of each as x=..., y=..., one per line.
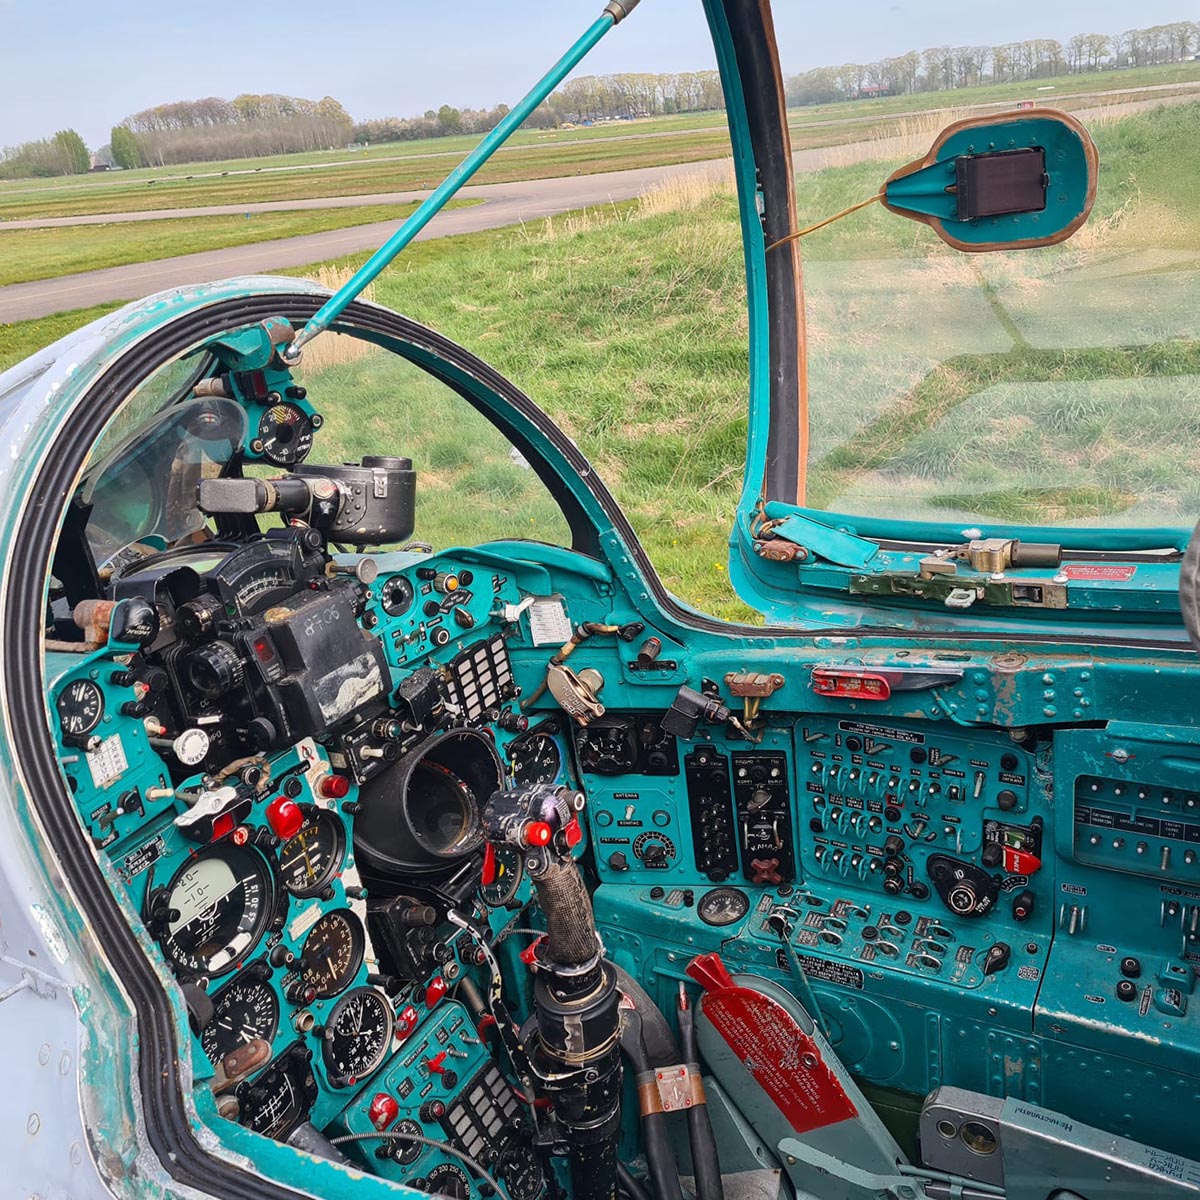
x=433, y=204
x=930, y=191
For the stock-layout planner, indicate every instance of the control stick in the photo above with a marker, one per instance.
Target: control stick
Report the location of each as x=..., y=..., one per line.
x=577, y=1048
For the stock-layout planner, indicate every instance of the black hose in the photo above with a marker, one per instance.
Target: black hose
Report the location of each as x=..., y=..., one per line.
x=664, y=1174
x=630, y=1184
x=705, y=1162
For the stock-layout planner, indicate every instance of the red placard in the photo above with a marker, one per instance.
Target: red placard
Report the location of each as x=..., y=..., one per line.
x=783, y=1059
x=1112, y=572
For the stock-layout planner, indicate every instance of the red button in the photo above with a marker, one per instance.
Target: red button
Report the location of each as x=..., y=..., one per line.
x=573, y=833
x=383, y=1110
x=284, y=817
x=435, y=991
x=538, y=833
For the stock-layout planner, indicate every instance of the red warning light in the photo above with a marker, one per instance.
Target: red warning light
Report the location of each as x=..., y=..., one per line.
x=333, y=787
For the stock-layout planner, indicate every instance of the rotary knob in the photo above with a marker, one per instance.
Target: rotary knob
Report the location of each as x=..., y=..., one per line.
x=215, y=670
x=962, y=897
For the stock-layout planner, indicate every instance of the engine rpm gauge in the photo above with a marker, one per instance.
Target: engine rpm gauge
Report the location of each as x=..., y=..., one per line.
x=333, y=952
x=357, y=1036
x=80, y=705
x=723, y=906
x=310, y=860
x=507, y=871
x=286, y=434
x=535, y=758
x=222, y=902
x=246, y=1008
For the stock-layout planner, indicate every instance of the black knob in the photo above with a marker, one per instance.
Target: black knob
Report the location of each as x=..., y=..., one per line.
x=215, y=670
x=281, y=956
x=432, y=1110
x=1126, y=989
x=135, y=708
x=1131, y=967
x=992, y=854
x=962, y=898
x=261, y=732
x=618, y=861
x=432, y=608
x=440, y=636
x=654, y=852
x=893, y=885
x=426, y=572
x=156, y=679
x=893, y=846
x=1022, y=906
x=657, y=893
x=1007, y=800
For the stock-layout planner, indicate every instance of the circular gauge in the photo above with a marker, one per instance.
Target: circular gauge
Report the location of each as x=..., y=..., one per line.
x=310, y=860
x=286, y=433
x=333, y=952
x=223, y=901
x=280, y=1097
x=357, y=1036
x=723, y=906
x=405, y=1152
x=509, y=870
x=80, y=705
x=396, y=596
x=447, y=1179
x=244, y=1009
x=534, y=758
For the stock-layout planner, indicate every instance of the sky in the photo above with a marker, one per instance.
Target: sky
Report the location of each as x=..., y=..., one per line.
x=79, y=64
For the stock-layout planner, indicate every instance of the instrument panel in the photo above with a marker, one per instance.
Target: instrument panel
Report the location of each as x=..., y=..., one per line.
x=248, y=879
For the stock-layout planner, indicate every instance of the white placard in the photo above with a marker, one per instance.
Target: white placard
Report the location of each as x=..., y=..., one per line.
x=107, y=762
x=548, y=622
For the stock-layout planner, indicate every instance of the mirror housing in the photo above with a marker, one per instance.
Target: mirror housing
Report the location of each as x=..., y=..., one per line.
x=1007, y=182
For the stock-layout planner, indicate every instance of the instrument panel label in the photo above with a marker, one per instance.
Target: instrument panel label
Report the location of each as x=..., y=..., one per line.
x=826, y=969
x=143, y=858
x=885, y=731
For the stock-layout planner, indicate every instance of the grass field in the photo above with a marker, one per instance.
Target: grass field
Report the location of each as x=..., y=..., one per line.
x=27, y=254
x=529, y=155
x=1062, y=385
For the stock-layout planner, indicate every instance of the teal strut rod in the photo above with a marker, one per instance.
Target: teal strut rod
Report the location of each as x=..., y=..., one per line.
x=615, y=12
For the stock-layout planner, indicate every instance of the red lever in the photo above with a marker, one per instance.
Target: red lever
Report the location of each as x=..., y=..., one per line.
x=437, y=1064
x=1021, y=862
x=488, y=876
x=856, y=684
x=284, y=817
x=709, y=971
x=435, y=991
x=529, y=954
x=573, y=832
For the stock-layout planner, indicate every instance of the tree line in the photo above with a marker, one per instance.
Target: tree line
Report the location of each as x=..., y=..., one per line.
x=252, y=125
x=940, y=68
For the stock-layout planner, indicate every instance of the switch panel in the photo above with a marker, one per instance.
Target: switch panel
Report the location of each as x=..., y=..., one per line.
x=714, y=837
x=763, y=802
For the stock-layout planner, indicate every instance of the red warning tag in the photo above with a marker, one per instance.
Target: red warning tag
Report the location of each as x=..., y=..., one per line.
x=1112, y=572
x=784, y=1060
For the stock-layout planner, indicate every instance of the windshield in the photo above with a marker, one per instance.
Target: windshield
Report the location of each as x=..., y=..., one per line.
x=1050, y=387
x=144, y=489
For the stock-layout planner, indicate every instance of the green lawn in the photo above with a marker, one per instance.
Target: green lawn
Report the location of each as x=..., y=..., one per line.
x=27, y=254
x=1057, y=385
x=530, y=154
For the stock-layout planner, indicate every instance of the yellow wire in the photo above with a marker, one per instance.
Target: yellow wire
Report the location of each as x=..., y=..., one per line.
x=793, y=237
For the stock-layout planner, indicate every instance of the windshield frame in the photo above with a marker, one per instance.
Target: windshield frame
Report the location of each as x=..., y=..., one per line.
x=778, y=426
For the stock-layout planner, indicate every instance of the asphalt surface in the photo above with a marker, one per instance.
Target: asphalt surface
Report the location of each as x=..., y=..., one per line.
x=502, y=204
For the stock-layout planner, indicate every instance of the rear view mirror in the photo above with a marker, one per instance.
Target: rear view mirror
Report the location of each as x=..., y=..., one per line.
x=1001, y=182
